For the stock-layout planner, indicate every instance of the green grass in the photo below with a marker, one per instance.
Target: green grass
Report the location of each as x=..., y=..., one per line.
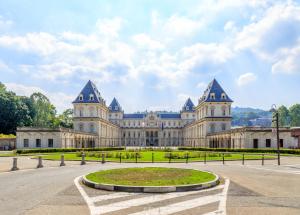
x=9, y=154
x=146, y=156
x=150, y=176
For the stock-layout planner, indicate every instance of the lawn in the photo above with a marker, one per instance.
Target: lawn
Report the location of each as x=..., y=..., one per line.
x=150, y=176
x=158, y=156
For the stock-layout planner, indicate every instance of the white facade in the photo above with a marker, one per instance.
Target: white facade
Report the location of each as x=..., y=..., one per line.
x=206, y=125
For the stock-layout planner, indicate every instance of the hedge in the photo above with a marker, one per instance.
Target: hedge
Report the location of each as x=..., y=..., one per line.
x=283, y=151
x=50, y=150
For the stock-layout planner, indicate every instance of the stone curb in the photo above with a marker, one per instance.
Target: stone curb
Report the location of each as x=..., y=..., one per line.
x=152, y=189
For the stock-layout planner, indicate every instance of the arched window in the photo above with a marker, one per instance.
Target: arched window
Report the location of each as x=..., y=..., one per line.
x=212, y=111
x=223, y=96
x=92, y=128
x=81, y=128
x=81, y=111
x=80, y=97
x=212, y=128
x=91, y=97
x=224, y=111
x=91, y=110
x=223, y=126
x=212, y=96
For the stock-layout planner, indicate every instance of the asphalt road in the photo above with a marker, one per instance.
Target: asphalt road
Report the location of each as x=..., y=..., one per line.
x=253, y=189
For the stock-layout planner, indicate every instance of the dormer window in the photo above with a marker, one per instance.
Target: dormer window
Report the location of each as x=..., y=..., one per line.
x=80, y=97
x=223, y=96
x=91, y=97
x=116, y=107
x=187, y=108
x=212, y=96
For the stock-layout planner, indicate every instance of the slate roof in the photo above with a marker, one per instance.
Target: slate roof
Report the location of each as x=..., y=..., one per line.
x=89, y=89
x=170, y=116
x=115, y=106
x=188, y=106
x=214, y=87
x=134, y=116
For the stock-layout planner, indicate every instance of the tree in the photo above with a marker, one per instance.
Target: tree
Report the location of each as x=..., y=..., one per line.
x=44, y=111
x=295, y=115
x=283, y=116
x=14, y=111
x=66, y=118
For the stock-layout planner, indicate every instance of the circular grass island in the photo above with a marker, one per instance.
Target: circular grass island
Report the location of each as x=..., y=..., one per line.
x=151, y=179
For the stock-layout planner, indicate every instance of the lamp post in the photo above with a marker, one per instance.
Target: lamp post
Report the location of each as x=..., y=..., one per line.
x=275, y=112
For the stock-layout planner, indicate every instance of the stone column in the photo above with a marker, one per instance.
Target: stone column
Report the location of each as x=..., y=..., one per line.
x=62, y=160
x=40, y=162
x=15, y=164
x=83, y=159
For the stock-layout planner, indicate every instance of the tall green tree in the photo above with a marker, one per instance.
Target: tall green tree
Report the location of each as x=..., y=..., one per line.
x=44, y=111
x=295, y=115
x=66, y=118
x=284, y=116
x=14, y=111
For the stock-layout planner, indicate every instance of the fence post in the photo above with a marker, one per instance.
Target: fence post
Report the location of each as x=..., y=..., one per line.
x=170, y=155
x=120, y=157
x=262, y=159
x=103, y=158
x=15, y=164
x=205, y=157
x=62, y=160
x=223, y=159
x=136, y=157
x=152, y=157
x=40, y=162
x=187, y=158
x=83, y=159
x=243, y=159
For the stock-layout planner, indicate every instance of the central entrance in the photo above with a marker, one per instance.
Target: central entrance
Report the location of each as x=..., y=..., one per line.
x=152, y=138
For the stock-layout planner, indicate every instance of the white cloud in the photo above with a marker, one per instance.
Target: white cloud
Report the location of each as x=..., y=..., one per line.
x=110, y=27
x=289, y=62
x=182, y=26
x=246, y=79
x=5, y=23
x=146, y=42
x=230, y=26
x=201, y=85
x=182, y=97
x=60, y=100
x=278, y=28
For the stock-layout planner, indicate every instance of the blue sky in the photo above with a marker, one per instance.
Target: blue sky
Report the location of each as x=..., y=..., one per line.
x=152, y=54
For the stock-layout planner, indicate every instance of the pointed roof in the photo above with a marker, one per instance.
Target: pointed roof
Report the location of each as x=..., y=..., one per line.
x=85, y=94
x=115, y=106
x=188, y=106
x=215, y=89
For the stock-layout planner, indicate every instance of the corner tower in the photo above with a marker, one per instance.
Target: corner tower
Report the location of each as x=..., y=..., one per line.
x=214, y=109
x=115, y=111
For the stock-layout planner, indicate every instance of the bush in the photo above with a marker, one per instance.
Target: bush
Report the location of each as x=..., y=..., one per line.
x=283, y=151
x=51, y=150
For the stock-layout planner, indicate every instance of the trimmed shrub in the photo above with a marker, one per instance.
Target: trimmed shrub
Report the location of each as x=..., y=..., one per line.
x=283, y=151
x=50, y=150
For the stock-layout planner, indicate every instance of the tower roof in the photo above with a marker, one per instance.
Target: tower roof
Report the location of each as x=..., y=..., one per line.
x=188, y=106
x=215, y=93
x=89, y=94
x=115, y=106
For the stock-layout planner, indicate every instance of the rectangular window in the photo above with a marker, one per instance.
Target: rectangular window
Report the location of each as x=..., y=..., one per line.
x=38, y=143
x=268, y=143
x=26, y=143
x=255, y=143
x=281, y=143
x=50, y=143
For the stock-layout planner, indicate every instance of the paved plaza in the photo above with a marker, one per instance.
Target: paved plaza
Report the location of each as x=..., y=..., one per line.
x=245, y=189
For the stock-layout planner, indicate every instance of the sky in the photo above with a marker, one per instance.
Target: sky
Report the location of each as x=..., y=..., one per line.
x=152, y=55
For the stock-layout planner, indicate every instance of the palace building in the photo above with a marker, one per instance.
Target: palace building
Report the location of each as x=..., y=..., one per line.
x=207, y=124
